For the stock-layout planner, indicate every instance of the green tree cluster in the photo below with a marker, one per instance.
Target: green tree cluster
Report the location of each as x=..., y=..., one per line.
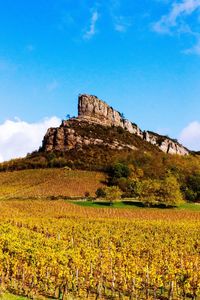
x=161, y=192
x=192, y=187
x=151, y=191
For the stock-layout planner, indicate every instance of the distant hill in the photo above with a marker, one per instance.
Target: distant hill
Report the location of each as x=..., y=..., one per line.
x=99, y=137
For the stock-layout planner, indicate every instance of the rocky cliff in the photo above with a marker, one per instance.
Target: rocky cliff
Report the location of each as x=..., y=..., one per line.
x=92, y=110
x=75, y=134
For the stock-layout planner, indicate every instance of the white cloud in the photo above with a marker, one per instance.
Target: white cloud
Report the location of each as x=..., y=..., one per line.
x=178, y=11
x=17, y=137
x=92, y=29
x=190, y=136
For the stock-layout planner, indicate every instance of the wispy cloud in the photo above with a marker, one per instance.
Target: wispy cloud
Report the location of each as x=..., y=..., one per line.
x=195, y=49
x=92, y=27
x=190, y=136
x=174, y=19
x=176, y=22
x=121, y=24
x=52, y=86
x=17, y=137
x=115, y=4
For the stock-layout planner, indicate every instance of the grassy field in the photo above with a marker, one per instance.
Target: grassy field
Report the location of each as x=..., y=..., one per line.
x=49, y=182
x=61, y=250
x=8, y=296
x=131, y=204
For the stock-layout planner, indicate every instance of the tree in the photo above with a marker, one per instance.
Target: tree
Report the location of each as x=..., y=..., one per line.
x=166, y=192
x=117, y=171
x=149, y=190
x=130, y=187
x=193, y=187
x=122, y=116
x=113, y=193
x=170, y=193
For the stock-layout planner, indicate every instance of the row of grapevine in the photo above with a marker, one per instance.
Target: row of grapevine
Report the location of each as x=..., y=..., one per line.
x=105, y=258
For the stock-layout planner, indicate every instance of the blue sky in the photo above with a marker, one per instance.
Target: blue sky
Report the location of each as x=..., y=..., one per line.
x=142, y=57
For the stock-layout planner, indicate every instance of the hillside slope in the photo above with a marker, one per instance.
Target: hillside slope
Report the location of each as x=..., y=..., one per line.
x=49, y=183
x=99, y=137
x=90, y=146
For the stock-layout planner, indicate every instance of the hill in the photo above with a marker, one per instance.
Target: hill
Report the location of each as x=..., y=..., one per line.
x=98, y=139
x=92, y=110
x=43, y=183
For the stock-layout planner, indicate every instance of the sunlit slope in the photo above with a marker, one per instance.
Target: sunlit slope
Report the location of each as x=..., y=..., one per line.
x=49, y=182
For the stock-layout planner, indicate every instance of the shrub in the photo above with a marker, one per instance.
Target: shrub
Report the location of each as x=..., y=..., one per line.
x=87, y=194
x=59, y=162
x=117, y=171
x=190, y=195
x=100, y=193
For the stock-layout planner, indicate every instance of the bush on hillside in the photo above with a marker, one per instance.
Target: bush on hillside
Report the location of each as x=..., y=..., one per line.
x=117, y=171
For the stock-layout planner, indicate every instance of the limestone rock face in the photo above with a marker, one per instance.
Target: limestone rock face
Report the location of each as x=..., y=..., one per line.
x=92, y=110
x=164, y=143
x=67, y=137
x=95, y=110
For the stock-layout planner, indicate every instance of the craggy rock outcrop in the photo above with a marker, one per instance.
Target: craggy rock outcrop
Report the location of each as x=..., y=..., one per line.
x=164, y=143
x=92, y=110
x=95, y=110
x=67, y=137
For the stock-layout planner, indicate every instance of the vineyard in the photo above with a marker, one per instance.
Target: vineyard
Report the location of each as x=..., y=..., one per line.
x=49, y=183
x=60, y=250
